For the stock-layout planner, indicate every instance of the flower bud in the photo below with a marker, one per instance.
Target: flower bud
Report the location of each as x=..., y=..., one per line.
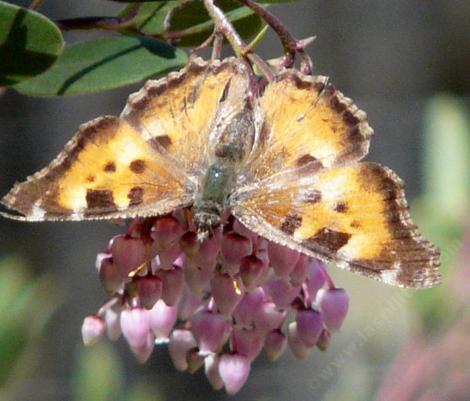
x=211, y=369
x=297, y=346
x=300, y=273
x=198, y=278
x=189, y=243
x=234, y=248
x=309, y=326
x=281, y=292
x=135, y=327
x=173, y=282
x=181, y=341
x=333, y=303
x=239, y=228
x=143, y=353
x=275, y=344
x=188, y=304
x=268, y=318
x=113, y=322
x=92, y=329
x=110, y=277
x=162, y=319
x=227, y=292
x=247, y=342
x=128, y=254
x=282, y=259
x=208, y=251
x=249, y=306
x=149, y=290
x=168, y=256
x=252, y=270
x=234, y=370
x=209, y=330
x=316, y=277
x=166, y=232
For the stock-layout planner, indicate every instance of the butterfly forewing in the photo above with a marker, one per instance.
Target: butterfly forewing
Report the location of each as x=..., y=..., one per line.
x=307, y=123
x=107, y=170
x=178, y=111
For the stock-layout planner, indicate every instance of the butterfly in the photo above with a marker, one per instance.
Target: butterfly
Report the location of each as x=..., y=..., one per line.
x=284, y=160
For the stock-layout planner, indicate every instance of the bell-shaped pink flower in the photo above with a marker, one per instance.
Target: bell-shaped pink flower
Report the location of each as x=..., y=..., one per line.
x=128, y=254
x=275, y=344
x=92, y=329
x=135, y=326
x=110, y=276
x=208, y=252
x=234, y=248
x=234, y=371
x=247, y=342
x=149, y=290
x=173, y=283
x=249, y=306
x=300, y=272
x=168, y=256
x=143, y=353
x=211, y=369
x=316, y=277
x=309, y=326
x=162, y=319
x=198, y=278
x=281, y=292
x=189, y=243
x=268, y=318
x=181, y=341
x=166, y=232
x=282, y=259
x=112, y=318
x=210, y=330
x=227, y=292
x=239, y=228
x=297, y=346
x=188, y=304
x=333, y=303
x=252, y=270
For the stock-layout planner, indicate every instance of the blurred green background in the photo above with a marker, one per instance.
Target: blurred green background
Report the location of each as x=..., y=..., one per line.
x=405, y=63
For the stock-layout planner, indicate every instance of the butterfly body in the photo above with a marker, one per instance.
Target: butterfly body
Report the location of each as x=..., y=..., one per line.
x=285, y=162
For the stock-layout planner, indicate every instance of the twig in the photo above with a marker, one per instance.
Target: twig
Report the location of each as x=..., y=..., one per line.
x=35, y=4
x=223, y=25
x=291, y=45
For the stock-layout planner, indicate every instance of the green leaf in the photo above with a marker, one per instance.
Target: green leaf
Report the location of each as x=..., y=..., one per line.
x=29, y=44
x=446, y=157
x=98, y=374
x=191, y=22
x=103, y=64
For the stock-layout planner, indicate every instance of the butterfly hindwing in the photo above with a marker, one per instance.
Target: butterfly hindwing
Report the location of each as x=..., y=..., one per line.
x=307, y=124
x=355, y=215
x=178, y=111
x=106, y=170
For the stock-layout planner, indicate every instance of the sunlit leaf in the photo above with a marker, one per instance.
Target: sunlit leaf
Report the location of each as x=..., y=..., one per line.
x=104, y=64
x=29, y=44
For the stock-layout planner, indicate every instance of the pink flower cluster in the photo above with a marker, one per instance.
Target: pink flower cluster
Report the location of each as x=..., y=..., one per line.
x=217, y=303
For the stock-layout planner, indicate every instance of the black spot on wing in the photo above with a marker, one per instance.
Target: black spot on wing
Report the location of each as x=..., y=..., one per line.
x=291, y=223
x=330, y=239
